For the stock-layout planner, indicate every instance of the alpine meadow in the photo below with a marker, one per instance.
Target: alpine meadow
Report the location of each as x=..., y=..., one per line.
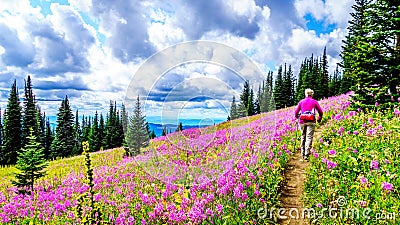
x=110, y=112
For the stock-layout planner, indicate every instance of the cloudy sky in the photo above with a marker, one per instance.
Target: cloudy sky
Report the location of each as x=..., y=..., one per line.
x=95, y=51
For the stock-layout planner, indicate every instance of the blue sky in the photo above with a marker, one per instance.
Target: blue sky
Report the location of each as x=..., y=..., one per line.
x=90, y=50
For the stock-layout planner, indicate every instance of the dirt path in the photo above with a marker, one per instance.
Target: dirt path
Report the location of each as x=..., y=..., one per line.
x=294, y=178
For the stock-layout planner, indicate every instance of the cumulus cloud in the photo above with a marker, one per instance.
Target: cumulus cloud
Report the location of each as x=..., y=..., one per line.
x=96, y=47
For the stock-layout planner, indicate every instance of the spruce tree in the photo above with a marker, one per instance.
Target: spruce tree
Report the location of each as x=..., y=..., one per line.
x=278, y=90
x=324, y=76
x=31, y=163
x=244, y=99
x=101, y=131
x=250, y=104
x=64, y=141
x=49, y=137
x=1, y=139
x=29, y=118
x=12, y=128
x=78, y=134
x=94, y=136
x=137, y=135
x=233, y=111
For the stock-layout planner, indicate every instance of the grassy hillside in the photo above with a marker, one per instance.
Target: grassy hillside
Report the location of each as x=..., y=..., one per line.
x=225, y=174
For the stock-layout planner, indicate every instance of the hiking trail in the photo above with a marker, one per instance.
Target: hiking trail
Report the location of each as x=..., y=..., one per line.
x=293, y=184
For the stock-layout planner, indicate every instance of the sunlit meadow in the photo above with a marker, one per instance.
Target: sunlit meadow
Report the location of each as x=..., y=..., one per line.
x=216, y=175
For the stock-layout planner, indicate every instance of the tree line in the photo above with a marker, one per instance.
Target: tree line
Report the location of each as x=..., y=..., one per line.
x=21, y=123
x=287, y=89
x=371, y=53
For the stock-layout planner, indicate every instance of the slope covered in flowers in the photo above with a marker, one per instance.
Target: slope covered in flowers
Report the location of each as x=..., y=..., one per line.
x=217, y=175
x=355, y=169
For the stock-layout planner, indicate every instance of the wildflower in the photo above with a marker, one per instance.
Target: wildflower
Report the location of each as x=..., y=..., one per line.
x=387, y=161
x=371, y=121
x=332, y=152
x=321, y=140
x=363, y=204
x=219, y=208
x=396, y=112
x=315, y=155
x=374, y=165
x=364, y=125
x=355, y=151
x=387, y=186
x=363, y=180
x=376, y=104
x=355, y=132
x=319, y=205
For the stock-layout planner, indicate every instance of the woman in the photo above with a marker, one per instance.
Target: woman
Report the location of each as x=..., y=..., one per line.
x=305, y=112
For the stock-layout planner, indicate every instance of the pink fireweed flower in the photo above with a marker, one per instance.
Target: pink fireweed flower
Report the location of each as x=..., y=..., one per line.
x=371, y=121
x=376, y=104
x=387, y=186
x=396, y=112
x=364, y=125
x=319, y=205
x=332, y=152
x=374, y=165
x=363, y=180
x=355, y=132
x=315, y=155
x=387, y=161
x=321, y=140
x=363, y=204
x=355, y=151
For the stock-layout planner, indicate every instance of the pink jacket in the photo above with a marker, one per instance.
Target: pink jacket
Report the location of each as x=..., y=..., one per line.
x=308, y=104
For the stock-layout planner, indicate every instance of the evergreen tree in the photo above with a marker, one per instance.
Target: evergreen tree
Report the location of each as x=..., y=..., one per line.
x=152, y=134
x=137, y=135
x=64, y=141
x=49, y=137
x=250, y=104
x=233, y=112
x=324, y=77
x=78, y=133
x=12, y=128
x=164, y=131
x=278, y=90
x=41, y=124
x=124, y=117
x=101, y=131
x=178, y=128
x=1, y=139
x=257, y=109
x=94, y=136
x=29, y=118
x=31, y=163
x=244, y=99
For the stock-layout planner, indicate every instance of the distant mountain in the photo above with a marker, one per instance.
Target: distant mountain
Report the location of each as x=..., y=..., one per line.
x=157, y=125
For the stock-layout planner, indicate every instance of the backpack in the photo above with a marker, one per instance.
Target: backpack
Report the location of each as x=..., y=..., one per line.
x=307, y=116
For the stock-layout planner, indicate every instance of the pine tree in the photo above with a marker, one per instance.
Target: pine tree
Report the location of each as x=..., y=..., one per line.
x=124, y=117
x=29, y=118
x=12, y=128
x=137, y=136
x=31, y=163
x=178, y=128
x=233, y=112
x=64, y=141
